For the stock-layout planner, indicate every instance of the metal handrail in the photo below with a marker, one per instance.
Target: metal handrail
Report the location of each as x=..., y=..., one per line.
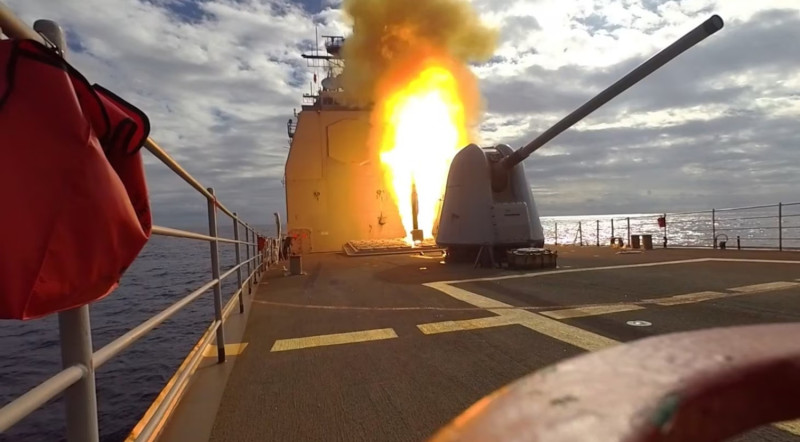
x=58, y=383
x=763, y=206
x=704, y=227
x=167, y=231
x=80, y=361
x=36, y=397
x=170, y=162
x=13, y=27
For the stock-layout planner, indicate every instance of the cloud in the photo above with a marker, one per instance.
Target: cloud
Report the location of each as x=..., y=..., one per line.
x=219, y=80
x=714, y=127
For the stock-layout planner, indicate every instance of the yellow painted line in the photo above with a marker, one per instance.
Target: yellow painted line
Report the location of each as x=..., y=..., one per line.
x=596, y=310
x=538, y=323
x=767, y=287
x=563, y=332
x=790, y=426
x=467, y=296
x=467, y=324
x=687, y=298
x=333, y=339
x=230, y=349
x=579, y=337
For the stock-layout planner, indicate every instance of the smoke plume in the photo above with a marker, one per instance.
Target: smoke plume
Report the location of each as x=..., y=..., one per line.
x=393, y=41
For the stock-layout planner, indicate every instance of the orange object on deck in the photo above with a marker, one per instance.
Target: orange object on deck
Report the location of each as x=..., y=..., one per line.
x=74, y=198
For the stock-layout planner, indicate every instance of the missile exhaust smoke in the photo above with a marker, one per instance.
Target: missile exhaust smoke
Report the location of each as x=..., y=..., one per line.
x=410, y=62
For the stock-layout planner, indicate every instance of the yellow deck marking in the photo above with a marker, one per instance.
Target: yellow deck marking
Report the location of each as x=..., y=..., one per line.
x=767, y=287
x=790, y=426
x=576, y=336
x=230, y=349
x=467, y=324
x=566, y=333
x=687, y=298
x=538, y=323
x=690, y=298
x=334, y=339
x=469, y=297
x=596, y=310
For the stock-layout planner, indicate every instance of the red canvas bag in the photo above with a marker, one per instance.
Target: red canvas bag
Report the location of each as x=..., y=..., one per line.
x=74, y=209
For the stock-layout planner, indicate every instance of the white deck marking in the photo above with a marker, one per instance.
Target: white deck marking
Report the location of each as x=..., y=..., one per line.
x=583, y=269
x=333, y=339
x=767, y=287
x=596, y=310
x=624, y=266
x=538, y=323
x=230, y=349
x=764, y=261
x=688, y=298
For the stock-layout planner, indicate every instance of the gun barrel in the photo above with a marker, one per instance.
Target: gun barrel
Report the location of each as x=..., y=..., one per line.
x=692, y=38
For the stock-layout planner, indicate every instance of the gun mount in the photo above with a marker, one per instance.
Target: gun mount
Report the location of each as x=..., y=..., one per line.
x=487, y=201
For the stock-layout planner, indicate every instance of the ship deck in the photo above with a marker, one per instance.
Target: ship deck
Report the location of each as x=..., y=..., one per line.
x=392, y=348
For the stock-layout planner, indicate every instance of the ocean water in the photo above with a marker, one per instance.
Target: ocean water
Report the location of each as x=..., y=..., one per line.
x=166, y=270
x=756, y=228
x=169, y=268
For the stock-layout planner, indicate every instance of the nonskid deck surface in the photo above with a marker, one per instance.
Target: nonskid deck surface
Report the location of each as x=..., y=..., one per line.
x=359, y=349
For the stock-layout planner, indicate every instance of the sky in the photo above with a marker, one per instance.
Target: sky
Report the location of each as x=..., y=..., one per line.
x=716, y=127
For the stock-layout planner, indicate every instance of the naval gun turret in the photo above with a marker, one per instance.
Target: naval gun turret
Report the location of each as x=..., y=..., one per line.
x=488, y=204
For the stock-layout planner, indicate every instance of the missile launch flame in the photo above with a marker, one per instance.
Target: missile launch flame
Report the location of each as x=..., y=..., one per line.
x=410, y=63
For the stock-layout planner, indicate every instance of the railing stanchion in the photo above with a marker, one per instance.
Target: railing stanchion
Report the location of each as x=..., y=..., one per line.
x=598, y=233
x=714, y=228
x=238, y=261
x=780, y=226
x=212, y=231
x=612, y=230
x=254, y=247
x=556, y=233
x=247, y=253
x=629, y=231
x=81, y=398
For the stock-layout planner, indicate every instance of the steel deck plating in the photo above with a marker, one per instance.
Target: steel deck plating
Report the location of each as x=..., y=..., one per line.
x=394, y=347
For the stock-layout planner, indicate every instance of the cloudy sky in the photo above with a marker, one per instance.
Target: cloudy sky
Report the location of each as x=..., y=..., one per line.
x=716, y=127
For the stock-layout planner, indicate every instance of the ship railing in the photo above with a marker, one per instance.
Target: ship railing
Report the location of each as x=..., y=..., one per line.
x=79, y=359
x=766, y=227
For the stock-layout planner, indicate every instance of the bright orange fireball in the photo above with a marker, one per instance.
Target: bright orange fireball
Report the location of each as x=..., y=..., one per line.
x=424, y=127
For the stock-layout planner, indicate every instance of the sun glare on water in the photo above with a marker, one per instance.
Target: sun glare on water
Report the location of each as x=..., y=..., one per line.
x=424, y=127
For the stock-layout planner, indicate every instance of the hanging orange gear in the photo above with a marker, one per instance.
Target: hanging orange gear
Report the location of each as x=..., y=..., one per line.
x=74, y=198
